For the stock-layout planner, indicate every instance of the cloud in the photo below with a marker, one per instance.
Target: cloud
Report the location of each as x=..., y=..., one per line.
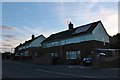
x=9, y=28
x=59, y=0
x=108, y=17
x=4, y=49
x=82, y=13
x=20, y=35
x=74, y=11
x=94, y=11
x=9, y=36
x=12, y=36
x=6, y=45
x=61, y=11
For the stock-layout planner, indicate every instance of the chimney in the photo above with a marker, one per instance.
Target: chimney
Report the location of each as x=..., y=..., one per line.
x=70, y=25
x=33, y=36
x=20, y=43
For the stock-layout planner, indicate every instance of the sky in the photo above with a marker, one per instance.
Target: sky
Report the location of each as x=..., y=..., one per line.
x=22, y=19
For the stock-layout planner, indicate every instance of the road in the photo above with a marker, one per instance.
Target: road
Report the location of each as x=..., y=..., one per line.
x=13, y=69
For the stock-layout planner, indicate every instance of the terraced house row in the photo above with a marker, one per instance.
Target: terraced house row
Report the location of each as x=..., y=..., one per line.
x=70, y=46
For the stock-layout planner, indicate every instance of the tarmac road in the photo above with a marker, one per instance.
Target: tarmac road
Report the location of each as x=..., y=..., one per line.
x=13, y=69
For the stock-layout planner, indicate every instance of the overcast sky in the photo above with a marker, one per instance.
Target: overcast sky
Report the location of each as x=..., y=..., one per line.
x=22, y=19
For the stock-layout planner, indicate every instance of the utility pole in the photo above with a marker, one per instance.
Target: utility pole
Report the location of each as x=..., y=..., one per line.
x=104, y=41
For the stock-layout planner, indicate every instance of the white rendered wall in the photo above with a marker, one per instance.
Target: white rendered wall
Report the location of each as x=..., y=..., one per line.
x=37, y=42
x=100, y=34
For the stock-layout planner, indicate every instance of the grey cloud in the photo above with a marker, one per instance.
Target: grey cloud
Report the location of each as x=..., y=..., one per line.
x=9, y=28
x=9, y=36
x=7, y=45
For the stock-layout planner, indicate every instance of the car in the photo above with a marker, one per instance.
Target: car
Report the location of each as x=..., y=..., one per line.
x=101, y=55
x=87, y=61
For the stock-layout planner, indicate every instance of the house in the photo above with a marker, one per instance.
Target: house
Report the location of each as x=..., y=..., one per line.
x=72, y=45
x=29, y=48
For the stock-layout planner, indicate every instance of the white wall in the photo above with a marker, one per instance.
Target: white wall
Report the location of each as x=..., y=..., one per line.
x=77, y=39
x=70, y=40
x=100, y=34
x=34, y=43
x=37, y=42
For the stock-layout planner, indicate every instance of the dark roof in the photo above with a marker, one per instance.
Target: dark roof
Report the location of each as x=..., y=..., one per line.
x=29, y=41
x=88, y=28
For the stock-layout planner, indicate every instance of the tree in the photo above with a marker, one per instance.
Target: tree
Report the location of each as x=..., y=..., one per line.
x=115, y=41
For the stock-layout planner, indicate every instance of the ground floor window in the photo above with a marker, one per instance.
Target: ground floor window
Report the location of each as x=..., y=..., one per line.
x=67, y=55
x=54, y=54
x=73, y=55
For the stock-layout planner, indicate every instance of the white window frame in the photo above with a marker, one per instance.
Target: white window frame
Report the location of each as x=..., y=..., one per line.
x=73, y=55
x=67, y=55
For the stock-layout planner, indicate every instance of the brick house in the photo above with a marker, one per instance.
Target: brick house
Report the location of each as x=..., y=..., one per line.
x=30, y=47
x=72, y=45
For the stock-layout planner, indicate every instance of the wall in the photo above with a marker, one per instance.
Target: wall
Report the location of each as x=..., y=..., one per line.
x=75, y=39
x=100, y=34
x=87, y=48
x=37, y=42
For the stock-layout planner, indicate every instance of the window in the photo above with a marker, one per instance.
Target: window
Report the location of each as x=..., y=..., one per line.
x=55, y=43
x=67, y=55
x=73, y=55
x=54, y=54
x=52, y=44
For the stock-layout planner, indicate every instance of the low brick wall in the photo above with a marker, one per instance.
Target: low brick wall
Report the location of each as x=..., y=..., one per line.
x=110, y=62
x=42, y=60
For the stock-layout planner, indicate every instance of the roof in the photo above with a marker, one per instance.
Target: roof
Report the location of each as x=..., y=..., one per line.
x=84, y=29
x=29, y=41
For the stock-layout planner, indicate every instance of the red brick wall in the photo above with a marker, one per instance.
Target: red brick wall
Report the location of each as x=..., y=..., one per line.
x=42, y=60
x=85, y=48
